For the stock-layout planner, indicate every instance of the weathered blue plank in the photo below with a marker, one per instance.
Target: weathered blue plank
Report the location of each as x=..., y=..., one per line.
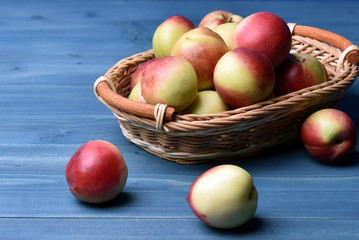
x=51, y=54
x=41, y=43
x=172, y=228
x=43, y=100
x=74, y=129
x=33, y=181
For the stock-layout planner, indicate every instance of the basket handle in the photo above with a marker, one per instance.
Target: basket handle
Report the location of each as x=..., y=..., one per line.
x=331, y=38
x=106, y=93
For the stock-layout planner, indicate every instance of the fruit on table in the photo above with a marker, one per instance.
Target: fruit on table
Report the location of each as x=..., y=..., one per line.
x=167, y=34
x=219, y=17
x=224, y=196
x=329, y=135
x=207, y=102
x=226, y=31
x=97, y=172
x=202, y=48
x=267, y=33
x=298, y=71
x=244, y=76
x=170, y=80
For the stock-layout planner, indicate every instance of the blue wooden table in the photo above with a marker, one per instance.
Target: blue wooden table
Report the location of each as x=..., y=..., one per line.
x=51, y=52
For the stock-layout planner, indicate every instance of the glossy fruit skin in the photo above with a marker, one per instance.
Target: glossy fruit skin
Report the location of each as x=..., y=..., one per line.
x=136, y=76
x=267, y=33
x=219, y=17
x=224, y=196
x=170, y=80
x=167, y=33
x=97, y=172
x=226, y=31
x=207, y=102
x=136, y=94
x=244, y=76
x=202, y=48
x=329, y=135
x=298, y=71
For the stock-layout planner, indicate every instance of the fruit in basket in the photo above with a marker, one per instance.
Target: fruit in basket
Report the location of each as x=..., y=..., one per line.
x=329, y=135
x=224, y=196
x=170, y=80
x=136, y=76
x=202, y=48
x=244, y=76
x=219, y=17
x=267, y=33
x=226, y=31
x=97, y=172
x=167, y=34
x=136, y=94
x=207, y=102
x=298, y=71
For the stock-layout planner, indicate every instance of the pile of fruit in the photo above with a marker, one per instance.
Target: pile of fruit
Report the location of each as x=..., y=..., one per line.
x=226, y=62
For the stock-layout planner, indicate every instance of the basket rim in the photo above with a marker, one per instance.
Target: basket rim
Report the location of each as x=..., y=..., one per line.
x=105, y=91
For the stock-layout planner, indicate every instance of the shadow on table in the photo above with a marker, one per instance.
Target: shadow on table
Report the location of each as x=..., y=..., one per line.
x=254, y=225
x=351, y=160
x=120, y=200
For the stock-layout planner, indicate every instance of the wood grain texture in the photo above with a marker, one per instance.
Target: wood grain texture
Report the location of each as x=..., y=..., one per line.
x=51, y=52
x=166, y=229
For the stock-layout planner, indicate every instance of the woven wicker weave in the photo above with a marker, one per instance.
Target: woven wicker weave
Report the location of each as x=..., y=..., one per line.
x=237, y=133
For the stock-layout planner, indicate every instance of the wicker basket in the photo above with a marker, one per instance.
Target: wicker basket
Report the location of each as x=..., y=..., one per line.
x=237, y=133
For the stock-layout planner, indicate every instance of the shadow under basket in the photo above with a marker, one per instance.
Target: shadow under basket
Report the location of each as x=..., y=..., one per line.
x=238, y=133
